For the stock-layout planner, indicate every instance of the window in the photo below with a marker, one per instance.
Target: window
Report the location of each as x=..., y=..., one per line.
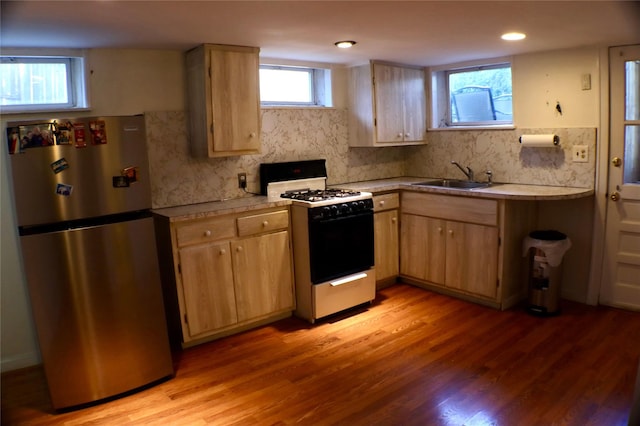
x=472, y=96
x=294, y=86
x=41, y=83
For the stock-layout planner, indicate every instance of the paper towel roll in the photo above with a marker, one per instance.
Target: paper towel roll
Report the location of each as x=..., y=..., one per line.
x=541, y=141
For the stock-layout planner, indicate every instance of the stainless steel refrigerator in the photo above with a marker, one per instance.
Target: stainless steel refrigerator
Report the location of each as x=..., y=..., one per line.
x=83, y=198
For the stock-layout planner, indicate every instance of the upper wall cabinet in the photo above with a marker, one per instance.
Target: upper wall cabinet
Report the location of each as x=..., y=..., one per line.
x=387, y=105
x=223, y=90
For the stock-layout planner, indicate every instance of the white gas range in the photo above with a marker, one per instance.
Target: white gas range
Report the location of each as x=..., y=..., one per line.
x=332, y=238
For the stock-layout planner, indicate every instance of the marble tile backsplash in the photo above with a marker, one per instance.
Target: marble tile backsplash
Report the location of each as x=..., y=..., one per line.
x=303, y=134
x=500, y=152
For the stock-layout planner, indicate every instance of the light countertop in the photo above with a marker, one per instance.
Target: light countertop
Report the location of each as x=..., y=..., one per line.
x=214, y=208
x=509, y=191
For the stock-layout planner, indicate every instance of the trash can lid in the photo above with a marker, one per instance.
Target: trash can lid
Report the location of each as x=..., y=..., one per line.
x=548, y=235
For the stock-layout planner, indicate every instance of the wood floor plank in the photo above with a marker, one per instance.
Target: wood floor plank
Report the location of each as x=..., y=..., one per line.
x=412, y=357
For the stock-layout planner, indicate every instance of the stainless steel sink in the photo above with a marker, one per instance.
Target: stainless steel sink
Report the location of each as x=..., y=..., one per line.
x=453, y=183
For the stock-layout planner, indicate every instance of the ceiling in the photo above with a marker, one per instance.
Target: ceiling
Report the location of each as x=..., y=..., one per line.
x=415, y=32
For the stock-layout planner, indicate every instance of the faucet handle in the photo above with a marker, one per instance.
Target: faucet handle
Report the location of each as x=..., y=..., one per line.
x=489, y=176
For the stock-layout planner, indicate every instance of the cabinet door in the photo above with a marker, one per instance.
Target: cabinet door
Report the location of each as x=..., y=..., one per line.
x=415, y=107
x=207, y=283
x=386, y=244
x=472, y=258
x=389, y=103
x=423, y=248
x=264, y=282
x=235, y=101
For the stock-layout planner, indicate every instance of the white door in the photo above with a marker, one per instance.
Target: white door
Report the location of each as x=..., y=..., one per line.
x=621, y=269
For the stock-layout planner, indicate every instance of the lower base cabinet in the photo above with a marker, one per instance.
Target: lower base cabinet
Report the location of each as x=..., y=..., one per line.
x=227, y=273
x=465, y=246
x=386, y=225
x=456, y=255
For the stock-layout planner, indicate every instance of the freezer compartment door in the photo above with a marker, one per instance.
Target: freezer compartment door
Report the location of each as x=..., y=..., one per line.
x=65, y=182
x=97, y=302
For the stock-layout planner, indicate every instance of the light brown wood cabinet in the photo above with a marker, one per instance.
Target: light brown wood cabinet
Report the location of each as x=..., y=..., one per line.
x=386, y=238
x=223, y=95
x=465, y=246
x=387, y=105
x=226, y=273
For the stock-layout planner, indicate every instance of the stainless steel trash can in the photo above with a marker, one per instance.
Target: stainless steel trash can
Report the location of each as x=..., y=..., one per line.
x=545, y=250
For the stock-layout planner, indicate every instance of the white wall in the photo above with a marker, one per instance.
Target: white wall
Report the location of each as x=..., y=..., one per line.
x=543, y=79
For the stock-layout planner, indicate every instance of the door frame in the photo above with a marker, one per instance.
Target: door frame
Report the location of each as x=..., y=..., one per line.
x=601, y=182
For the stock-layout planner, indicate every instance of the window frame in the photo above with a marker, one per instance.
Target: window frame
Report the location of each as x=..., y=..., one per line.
x=76, y=79
x=441, y=110
x=320, y=85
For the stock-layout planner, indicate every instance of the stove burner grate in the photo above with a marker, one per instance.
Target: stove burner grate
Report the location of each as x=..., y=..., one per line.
x=318, y=194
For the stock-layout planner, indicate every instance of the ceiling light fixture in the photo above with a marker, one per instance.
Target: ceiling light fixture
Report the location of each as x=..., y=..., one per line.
x=345, y=44
x=513, y=36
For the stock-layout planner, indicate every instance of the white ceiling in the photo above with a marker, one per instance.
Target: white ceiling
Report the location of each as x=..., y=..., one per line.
x=415, y=32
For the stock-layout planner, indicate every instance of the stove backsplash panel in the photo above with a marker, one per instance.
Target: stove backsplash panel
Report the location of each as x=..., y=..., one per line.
x=305, y=134
x=177, y=178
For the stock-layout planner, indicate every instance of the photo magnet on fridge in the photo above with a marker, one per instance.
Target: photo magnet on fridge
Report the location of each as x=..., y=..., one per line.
x=98, y=132
x=35, y=136
x=64, y=190
x=64, y=133
x=78, y=133
x=120, y=181
x=131, y=173
x=59, y=165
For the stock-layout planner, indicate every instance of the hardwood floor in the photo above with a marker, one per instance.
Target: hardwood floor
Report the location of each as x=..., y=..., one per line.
x=412, y=358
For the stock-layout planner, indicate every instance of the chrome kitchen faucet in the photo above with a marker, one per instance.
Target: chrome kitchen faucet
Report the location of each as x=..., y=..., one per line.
x=468, y=173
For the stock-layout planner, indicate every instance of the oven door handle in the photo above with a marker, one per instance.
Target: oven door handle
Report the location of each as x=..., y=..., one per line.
x=348, y=279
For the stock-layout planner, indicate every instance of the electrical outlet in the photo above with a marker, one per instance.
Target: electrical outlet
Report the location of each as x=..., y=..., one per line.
x=580, y=154
x=242, y=180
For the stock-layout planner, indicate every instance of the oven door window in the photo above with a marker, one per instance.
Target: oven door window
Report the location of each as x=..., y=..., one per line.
x=340, y=246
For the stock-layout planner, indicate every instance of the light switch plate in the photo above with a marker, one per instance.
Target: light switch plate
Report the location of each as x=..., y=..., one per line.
x=580, y=154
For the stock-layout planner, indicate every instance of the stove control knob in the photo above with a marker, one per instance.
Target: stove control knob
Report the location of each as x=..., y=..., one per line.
x=345, y=209
x=361, y=205
x=334, y=210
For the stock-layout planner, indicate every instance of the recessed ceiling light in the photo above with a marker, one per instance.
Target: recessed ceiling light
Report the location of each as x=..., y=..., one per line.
x=345, y=44
x=513, y=36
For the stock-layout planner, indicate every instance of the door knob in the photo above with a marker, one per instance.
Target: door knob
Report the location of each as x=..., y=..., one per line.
x=616, y=161
x=615, y=196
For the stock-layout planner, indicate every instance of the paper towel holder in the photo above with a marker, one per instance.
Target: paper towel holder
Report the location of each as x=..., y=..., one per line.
x=555, y=139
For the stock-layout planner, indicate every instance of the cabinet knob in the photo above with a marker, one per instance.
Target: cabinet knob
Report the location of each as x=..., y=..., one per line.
x=265, y=223
x=439, y=229
x=223, y=251
x=393, y=220
x=252, y=134
x=406, y=135
x=381, y=203
x=207, y=233
x=400, y=134
x=451, y=232
x=239, y=249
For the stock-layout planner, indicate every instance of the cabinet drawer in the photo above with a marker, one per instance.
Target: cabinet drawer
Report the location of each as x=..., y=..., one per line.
x=463, y=209
x=205, y=230
x=265, y=222
x=386, y=202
